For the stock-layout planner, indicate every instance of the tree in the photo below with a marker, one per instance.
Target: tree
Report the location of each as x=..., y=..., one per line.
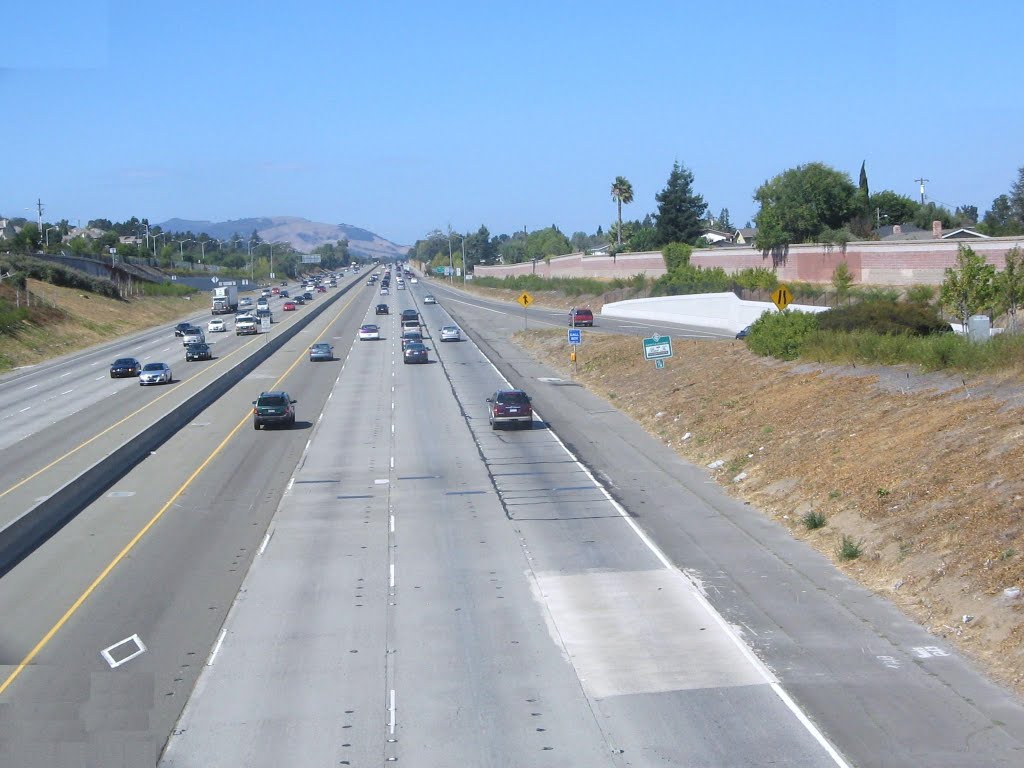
x=679, y=210
x=968, y=287
x=676, y=256
x=802, y=202
x=930, y=212
x=1010, y=284
x=622, y=193
x=723, y=222
x=1017, y=198
x=863, y=196
x=842, y=280
x=966, y=215
x=998, y=220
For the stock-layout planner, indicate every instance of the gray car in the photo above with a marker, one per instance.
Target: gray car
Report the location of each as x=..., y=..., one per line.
x=451, y=333
x=321, y=351
x=155, y=373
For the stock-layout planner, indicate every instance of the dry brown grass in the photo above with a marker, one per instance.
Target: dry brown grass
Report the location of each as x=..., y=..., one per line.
x=74, y=320
x=932, y=483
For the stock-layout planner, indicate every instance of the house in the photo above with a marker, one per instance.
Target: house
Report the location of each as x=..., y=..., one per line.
x=714, y=236
x=7, y=230
x=911, y=232
x=744, y=236
x=604, y=249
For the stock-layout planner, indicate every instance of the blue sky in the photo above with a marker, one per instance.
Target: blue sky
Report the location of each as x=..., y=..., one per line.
x=402, y=117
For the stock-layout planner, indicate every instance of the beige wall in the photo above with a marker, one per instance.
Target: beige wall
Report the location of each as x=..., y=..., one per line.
x=909, y=262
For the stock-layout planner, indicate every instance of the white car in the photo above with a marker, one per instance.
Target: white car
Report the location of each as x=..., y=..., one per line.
x=413, y=280
x=216, y=326
x=245, y=301
x=451, y=333
x=384, y=292
x=369, y=332
x=429, y=300
x=155, y=373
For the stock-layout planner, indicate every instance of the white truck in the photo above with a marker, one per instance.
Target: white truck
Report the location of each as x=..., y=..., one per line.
x=225, y=299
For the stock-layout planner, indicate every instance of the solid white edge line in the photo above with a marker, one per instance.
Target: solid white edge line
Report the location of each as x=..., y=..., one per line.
x=759, y=665
x=216, y=647
x=266, y=540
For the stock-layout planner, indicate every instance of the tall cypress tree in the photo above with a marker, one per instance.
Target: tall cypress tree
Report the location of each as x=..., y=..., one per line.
x=864, y=198
x=680, y=211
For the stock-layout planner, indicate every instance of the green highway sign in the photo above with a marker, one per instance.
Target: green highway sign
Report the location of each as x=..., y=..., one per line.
x=657, y=347
x=440, y=270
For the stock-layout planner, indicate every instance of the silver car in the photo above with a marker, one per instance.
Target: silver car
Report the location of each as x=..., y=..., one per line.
x=155, y=373
x=451, y=333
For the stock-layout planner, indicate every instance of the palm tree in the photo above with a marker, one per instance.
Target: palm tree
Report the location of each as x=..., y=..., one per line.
x=622, y=192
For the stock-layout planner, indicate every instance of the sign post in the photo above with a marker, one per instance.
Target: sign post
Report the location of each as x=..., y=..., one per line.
x=657, y=348
x=526, y=300
x=575, y=339
x=782, y=297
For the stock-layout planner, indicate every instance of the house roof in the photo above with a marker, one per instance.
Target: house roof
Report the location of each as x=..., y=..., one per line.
x=962, y=232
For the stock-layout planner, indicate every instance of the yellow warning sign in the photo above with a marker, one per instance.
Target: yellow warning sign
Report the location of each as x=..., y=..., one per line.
x=782, y=297
x=525, y=299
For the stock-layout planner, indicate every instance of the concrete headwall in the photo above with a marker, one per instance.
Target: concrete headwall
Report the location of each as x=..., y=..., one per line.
x=716, y=311
x=882, y=262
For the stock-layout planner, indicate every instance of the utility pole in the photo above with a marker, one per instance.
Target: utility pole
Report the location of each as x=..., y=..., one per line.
x=39, y=206
x=922, y=182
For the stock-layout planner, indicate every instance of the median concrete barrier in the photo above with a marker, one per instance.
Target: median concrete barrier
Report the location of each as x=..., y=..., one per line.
x=26, y=533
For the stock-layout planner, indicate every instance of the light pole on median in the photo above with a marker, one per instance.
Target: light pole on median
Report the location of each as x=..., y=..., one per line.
x=47, y=235
x=181, y=246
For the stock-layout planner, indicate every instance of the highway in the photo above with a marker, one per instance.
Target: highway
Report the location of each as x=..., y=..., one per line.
x=58, y=417
x=394, y=581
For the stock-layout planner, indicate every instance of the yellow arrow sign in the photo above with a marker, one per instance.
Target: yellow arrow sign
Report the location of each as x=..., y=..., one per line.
x=782, y=297
x=525, y=299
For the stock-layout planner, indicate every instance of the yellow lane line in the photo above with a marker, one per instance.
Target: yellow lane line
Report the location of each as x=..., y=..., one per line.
x=131, y=415
x=142, y=532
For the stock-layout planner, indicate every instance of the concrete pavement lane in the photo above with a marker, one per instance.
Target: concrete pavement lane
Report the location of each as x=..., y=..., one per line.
x=489, y=659
x=545, y=317
x=880, y=687
x=171, y=591
x=33, y=468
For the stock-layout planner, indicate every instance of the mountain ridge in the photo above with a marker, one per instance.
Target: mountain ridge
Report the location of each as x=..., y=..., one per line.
x=300, y=233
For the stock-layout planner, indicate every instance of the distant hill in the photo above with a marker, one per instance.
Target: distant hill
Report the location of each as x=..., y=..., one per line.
x=302, y=234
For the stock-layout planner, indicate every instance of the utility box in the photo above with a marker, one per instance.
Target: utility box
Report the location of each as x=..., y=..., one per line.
x=979, y=328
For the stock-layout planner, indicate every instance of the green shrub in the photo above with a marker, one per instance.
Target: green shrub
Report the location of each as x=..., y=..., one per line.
x=849, y=548
x=676, y=255
x=814, y=520
x=884, y=316
x=921, y=294
x=781, y=334
x=756, y=278
x=690, y=279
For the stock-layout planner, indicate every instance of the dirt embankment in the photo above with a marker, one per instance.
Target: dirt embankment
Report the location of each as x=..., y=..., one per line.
x=925, y=474
x=70, y=320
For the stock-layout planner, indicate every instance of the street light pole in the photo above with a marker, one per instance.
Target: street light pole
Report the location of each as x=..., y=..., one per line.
x=48, y=230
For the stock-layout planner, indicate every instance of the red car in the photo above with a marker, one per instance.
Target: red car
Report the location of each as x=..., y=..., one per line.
x=578, y=317
x=275, y=290
x=321, y=289
x=289, y=306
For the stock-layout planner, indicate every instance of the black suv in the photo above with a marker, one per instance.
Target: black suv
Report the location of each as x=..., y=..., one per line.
x=410, y=314
x=180, y=328
x=382, y=309
x=273, y=408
